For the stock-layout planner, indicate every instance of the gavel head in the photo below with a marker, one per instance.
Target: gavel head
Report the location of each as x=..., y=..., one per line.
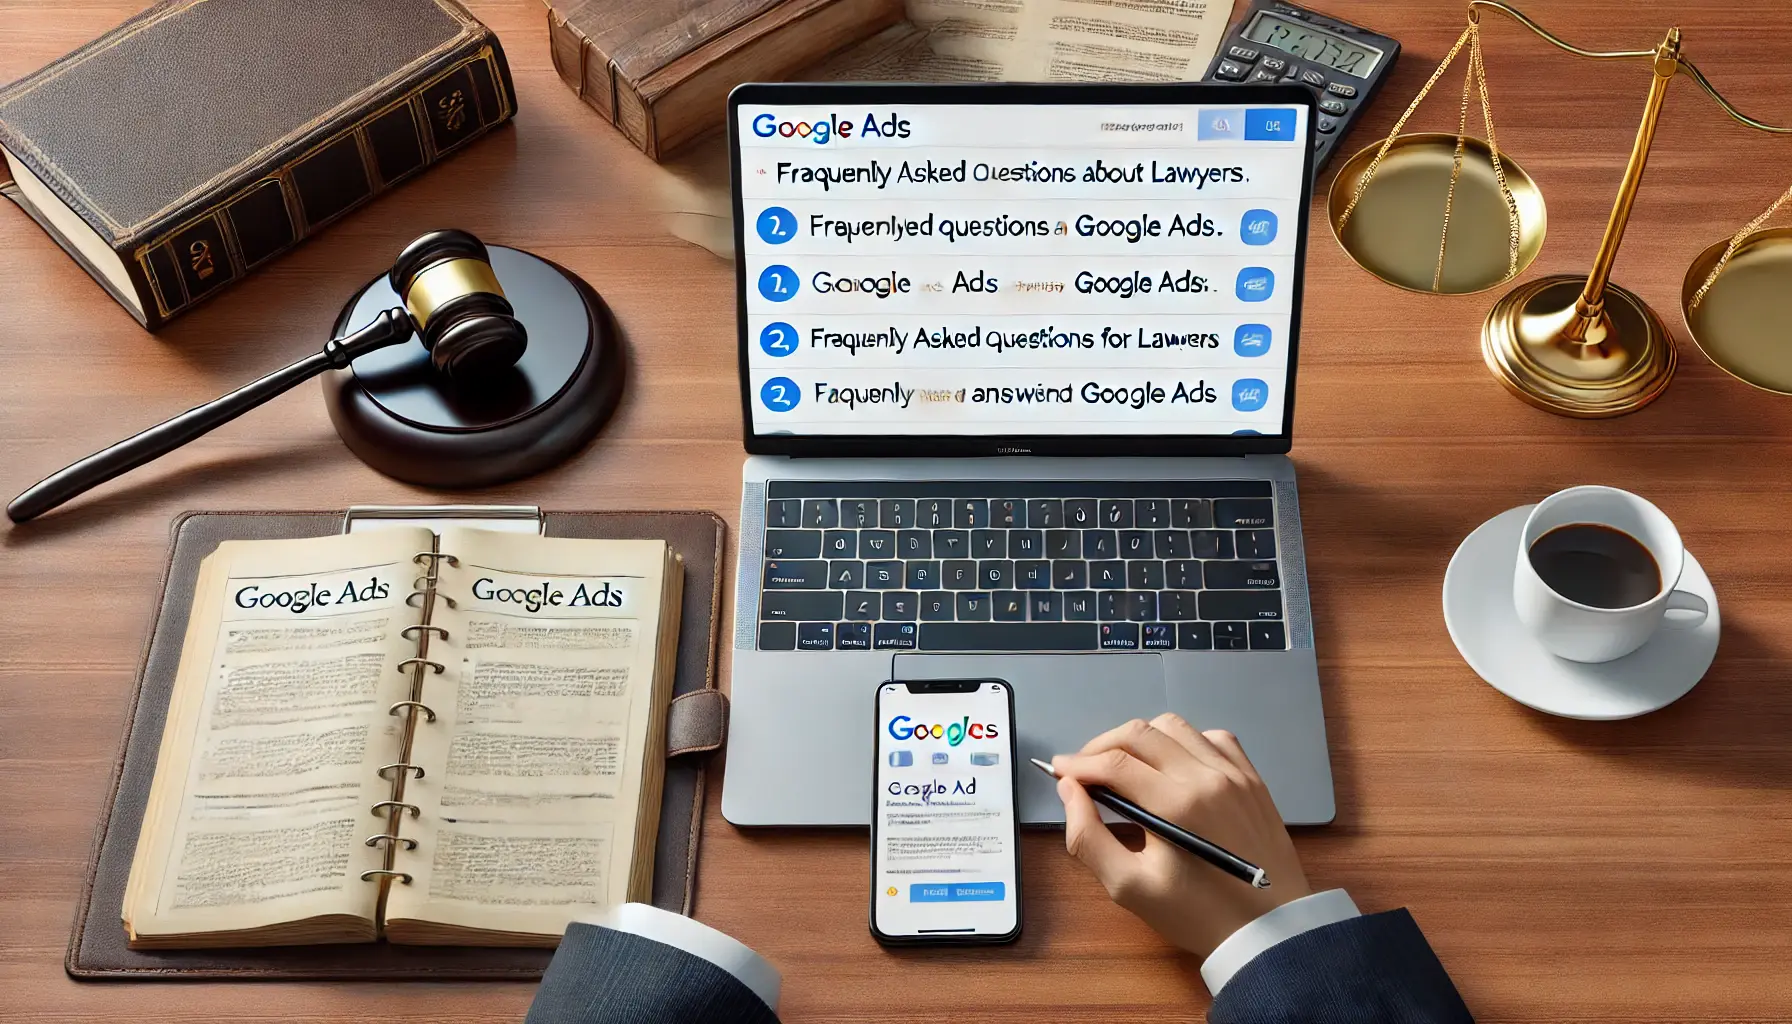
x=445, y=280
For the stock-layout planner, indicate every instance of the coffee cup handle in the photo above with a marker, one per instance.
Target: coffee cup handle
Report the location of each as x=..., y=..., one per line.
x=1685, y=601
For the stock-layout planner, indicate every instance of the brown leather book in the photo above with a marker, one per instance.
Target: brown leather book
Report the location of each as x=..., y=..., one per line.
x=198, y=140
x=660, y=70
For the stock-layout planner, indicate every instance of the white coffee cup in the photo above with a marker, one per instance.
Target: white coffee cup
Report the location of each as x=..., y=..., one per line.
x=1581, y=632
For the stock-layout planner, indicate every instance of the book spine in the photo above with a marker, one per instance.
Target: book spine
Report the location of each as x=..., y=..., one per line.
x=584, y=70
x=336, y=174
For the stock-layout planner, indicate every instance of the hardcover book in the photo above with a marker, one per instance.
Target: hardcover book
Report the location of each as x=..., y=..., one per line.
x=195, y=142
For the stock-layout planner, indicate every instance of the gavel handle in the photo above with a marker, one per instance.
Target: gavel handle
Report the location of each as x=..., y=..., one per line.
x=392, y=327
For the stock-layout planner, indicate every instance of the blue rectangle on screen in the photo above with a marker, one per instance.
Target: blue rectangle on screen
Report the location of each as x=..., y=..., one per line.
x=1270, y=124
x=978, y=892
x=1220, y=124
x=930, y=894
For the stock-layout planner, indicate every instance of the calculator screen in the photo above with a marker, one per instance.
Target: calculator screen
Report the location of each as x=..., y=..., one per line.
x=1313, y=44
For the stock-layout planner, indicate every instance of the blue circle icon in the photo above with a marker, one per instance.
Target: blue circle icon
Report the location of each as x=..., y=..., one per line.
x=780, y=394
x=1249, y=394
x=778, y=339
x=777, y=225
x=779, y=283
x=1255, y=284
x=1257, y=228
x=1251, y=340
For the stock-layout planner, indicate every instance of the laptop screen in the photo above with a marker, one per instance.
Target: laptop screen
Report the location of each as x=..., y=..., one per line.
x=1019, y=269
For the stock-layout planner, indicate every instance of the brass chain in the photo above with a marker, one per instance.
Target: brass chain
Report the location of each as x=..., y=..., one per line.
x=1499, y=168
x=1443, y=242
x=1735, y=242
x=1375, y=164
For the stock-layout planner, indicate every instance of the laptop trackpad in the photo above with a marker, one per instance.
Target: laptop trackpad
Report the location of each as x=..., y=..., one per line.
x=1061, y=701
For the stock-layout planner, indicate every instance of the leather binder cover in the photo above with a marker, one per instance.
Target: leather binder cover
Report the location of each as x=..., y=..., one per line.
x=97, y=948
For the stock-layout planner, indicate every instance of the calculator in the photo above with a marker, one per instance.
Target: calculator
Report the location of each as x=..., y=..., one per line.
x=1281, y=42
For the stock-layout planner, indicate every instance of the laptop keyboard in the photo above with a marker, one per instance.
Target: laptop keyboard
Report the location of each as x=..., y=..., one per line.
x=1015, y=566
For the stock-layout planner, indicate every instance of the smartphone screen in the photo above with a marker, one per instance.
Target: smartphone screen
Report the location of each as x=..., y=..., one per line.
x=945, y=851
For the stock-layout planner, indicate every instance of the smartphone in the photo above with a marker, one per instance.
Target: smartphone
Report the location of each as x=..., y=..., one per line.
x=945, y=838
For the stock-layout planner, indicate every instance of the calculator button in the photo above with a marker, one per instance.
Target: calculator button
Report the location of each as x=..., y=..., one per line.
x=1261, y=75
x=1340, y=89
x=1232, y=71
x=1328, y=125
x=1243, y=53
x=1276, y=64
x=1333, y=107
x=1312, y=78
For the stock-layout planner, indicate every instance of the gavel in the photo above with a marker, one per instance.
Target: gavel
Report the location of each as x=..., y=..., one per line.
x=452, y=302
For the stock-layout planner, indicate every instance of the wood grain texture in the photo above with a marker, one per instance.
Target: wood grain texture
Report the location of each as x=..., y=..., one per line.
x=1565, y=871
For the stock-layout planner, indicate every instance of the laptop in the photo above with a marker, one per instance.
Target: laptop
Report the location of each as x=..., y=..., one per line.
x=1017, y=376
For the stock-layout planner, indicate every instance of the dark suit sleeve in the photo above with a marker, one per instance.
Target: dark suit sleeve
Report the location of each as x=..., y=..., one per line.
x=600, y=976
x=1376, y=969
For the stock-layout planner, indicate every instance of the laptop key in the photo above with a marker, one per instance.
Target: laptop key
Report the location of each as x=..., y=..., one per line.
x=900, y=606
x=1152, y=513
x=1116, y=513
x=989, y=543
x=1008, y=636
x=1070, y=574
x=858, y=513
x=1212, y=543
x=937, y=607
x=896, y=513
x=1063, y=544
x=1173, y=544
x=1045, y=513
x=1145, y=575
x=784, y=512
x=1033, y=574
x=777, y=636
x=794, y=574
x=933, y=513
x=1007, y=513
x=1182, y=574
x=1010, y=606
x=863, y=606
x=1157, y=636
x=877, y=544
x=1080, y=513
x=1079, y=606
x=815, y=636
x=923, y=575
x=1107, y=575
x=893, y=636
x=1026, y=544
x=800, y=604
x=1241, y=604
x=841, y=544
x=1241, y=576
x=1141, y=605
x=960, y=575
x=847, y=574
x=1178, y=605
x=1136, y=544
x=951, y=543
x=995, y=574
x=1100, y=544
x=1230, y=636
x=973, y=607
x=970, y=513
x=1194, y=636
x=820, y=513
x=883, y=575
x=914, y=544
x=793, y=543
x=1111, y=605
x=1191, y=513
x=1256, y=544
x=1242, y=513
x=1119, y=636
x=1268, y=636
x=1045, y=607
x=852, y=636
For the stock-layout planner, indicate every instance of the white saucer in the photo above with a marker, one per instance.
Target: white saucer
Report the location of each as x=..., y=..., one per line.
x=1479, y=613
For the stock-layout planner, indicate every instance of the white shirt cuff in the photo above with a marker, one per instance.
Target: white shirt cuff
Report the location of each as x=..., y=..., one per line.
x=697, y=939
x=1279, y=925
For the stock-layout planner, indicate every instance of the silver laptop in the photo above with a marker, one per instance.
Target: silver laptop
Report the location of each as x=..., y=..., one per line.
x=1017, y=371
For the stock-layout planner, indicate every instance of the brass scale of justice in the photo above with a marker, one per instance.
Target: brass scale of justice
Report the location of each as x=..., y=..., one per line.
x=1575, y=345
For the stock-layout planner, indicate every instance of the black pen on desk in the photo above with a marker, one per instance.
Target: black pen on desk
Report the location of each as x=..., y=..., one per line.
x=1170, y=832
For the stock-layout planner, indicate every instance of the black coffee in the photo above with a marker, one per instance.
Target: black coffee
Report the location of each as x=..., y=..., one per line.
x=1596, y=565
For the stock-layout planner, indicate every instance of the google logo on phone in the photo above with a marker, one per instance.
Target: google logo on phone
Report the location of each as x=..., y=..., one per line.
x=953, y=732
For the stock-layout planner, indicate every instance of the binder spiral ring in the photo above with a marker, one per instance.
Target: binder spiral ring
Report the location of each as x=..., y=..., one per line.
x=368, y=876
x=410, y=632
x=439, y=556
x=409, y=843
x=444, y=598
x=429, y=714
x=418, y=769
x=413, y=808
x=405, y=665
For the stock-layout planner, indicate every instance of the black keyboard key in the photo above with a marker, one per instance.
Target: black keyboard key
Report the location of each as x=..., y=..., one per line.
x=1136, y=544
x=1336, y=108
x=1007, y=513
x=923, y=575
x=1178, y=605
x=1141, y=605
x=989, y=543
x=970, y=513
x=1191, y=513
x=1229, y=71
x=1100, y=544
x=883, y=575
x=1241, y=576
x=951, y=543
x=1173, y=544
x=1079, y=606
x=777, y=636
x=1146, y=575
x=933, y=513
x=937, y=607
x=1111, y=605
x=1275, y=64
x=995, y=574
x=960, y=575
x=1194, y=636
x=1340, y=89
x=846, y=575
x=841, y=544
x=821, y=513
x=1026, y=544
x=1157, y=636
x=900, y=606
x=1119, y=636
x=1152, y=513
x=1045, y=513
x=1243, y=53
x=799, y=604
x=914, y=544
x=1107, y=575
x=1045, y=607
x=1313, y=77
x=1242, y=513
x=815, y=636
x=1033, y=574
x=1063, y=544
x=791, y=574
x=793, y=543
x=1116, y=513
x=1182, y=574
x=877, y=544
x=1080, y=513
x=896, y=513
x=1256, y=544
x=973, y=607
x=784, y=513
x=852, y=636
x=894, y=636
x=1212, y=543
x=1008, y=636
x=1268, y=636
x=1070, y=574
x=858, y=513
x=1241, y=604
x=1010, y=606
x=1230, y=636
x=863, y=606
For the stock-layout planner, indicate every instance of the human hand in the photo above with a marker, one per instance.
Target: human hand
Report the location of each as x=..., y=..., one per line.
x=1204, y=782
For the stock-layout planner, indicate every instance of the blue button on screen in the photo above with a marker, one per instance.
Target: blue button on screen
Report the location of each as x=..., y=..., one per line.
x=1251, y=340
x=1258, y=227
x=1255, y=284
x=1272, y=124
x=978, y=892
x=930, y=894
x=1249, y=394
x=1221, y=124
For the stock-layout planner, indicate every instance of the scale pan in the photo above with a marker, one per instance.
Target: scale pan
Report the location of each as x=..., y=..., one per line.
x=1744, y=325
x=1394, y=231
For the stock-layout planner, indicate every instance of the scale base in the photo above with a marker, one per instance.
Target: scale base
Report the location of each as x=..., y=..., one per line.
x=1624, y=363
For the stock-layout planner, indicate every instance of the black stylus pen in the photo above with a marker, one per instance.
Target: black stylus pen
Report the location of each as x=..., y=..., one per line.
x=1170, y=832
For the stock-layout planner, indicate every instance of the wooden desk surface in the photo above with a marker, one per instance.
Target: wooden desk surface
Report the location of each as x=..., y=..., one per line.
x=1564, y=871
